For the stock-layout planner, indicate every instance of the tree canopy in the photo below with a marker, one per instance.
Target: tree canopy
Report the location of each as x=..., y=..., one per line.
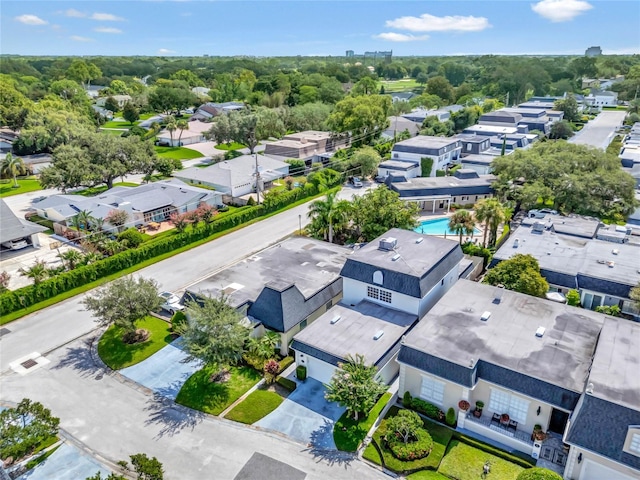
x=364, y=116
x=520, y=273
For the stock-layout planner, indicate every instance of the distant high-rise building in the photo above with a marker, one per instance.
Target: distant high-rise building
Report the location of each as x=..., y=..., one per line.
x=349, y=53
x=386, y=56
x=593, y=52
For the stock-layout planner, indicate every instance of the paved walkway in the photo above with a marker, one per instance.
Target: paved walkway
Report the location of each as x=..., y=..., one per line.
x=67, y=462
x=599, y=131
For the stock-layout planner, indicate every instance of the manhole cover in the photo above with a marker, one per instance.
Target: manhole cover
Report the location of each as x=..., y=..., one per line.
x=4, y=331
x=29, y=363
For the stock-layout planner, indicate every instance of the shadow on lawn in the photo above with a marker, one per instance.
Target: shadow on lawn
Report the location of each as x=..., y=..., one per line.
x=173, y=418
x=318, y=447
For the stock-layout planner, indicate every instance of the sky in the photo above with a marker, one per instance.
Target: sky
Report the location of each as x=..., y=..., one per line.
x=317, y=28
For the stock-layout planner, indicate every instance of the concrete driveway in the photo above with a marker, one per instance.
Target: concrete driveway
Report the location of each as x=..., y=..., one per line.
x=66, y=462
x=306, y=416
x=599, y=131
x=165, y=371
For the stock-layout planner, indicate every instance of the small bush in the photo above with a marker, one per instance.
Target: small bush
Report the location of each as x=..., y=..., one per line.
x=271, y=369
x=301, y=373
x=131, y=237
x=286, y=383
x=406, y=399
x=428, y=409
x=440, y=173
x=420, y=447
x=178, y=319
x=451, y=417
x=538, y=473
x=285, y=362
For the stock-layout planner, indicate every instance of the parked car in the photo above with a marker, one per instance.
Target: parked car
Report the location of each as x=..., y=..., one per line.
x=356, y=182
x=171, y=303
x=380, y=179
x=15, y=244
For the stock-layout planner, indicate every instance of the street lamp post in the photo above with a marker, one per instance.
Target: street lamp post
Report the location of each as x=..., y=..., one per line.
x=300, y=224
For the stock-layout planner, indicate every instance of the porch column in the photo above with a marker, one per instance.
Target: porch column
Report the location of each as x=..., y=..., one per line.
x=433, y=202
x=448, y=204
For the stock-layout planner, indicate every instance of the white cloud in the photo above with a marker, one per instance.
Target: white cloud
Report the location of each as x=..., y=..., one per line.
x=400, y=37
x=185, y=14
x=31, y=20
x=74, y=13
x=165, y=51
x=106, y=17
x=78, y=38
x=561, y=10
x=431, y=23
x=107, y=30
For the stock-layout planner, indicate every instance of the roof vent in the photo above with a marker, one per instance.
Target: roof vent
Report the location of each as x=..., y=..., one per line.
x=540, y=331
x=378, y=334
x=388, y=243
x=590, y=388
x=615, y=251
x=419, y=240
x=601, y=262
x=516, y=242
x=499, y=291
x=611, y=263
x=335, y=320
x=485, y=316
x=395, y=257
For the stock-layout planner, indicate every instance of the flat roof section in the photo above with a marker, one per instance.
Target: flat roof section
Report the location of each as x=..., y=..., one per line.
x=309, y=264
x=426, y=141
x=454, y=331
x=353, y=333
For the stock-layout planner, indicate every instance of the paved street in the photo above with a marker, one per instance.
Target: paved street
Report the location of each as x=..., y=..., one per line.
x=599, y=131
x=115, y=420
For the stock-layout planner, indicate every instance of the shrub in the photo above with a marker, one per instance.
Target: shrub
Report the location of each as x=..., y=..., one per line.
x=573, y=298
x=440, y=173
x=428, y=409
x=251, y=202
x=271, y=369
x=286, y=383
x=538, y=473
x=451, y=417
x=178, y=319
x=426, y=164
x=132, y=237
x=420, y=447
x=301, y=373
x=406, y=399
x=404, y=425
x=285, y=362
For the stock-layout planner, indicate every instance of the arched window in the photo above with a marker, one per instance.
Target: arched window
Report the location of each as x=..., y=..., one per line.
x=377, y=277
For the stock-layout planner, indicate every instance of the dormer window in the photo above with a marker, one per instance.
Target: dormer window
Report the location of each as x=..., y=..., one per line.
x=378, y=277
x=632, y=442
x=634, y=445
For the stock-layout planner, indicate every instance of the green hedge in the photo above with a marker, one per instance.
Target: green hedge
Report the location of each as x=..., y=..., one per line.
x=285, y=362
x=12, y=301
x=426, y=164
x=286, y=383
x=518, y=458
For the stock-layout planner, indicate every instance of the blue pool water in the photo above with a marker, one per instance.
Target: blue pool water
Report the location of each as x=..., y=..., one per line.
x=437, y=227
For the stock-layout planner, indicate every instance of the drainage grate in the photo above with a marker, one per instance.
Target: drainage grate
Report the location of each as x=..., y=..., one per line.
x=4, y=331
x=29, y=363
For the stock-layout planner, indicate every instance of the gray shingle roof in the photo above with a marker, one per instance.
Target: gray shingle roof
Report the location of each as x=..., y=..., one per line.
x=14, y=228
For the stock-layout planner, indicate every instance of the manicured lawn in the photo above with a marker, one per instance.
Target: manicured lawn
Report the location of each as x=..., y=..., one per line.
x=404, y=85
x=348, y=433
x=117, y=124
x=210, y=397
x=257, y=405
x=427, y=475
x=178, y=153
x=108, y=131
x=25, y=185
x=38, y=460
x=230, y=146
x=93, y=191
x=465, y=462
x=441, y=437
x=118, y=355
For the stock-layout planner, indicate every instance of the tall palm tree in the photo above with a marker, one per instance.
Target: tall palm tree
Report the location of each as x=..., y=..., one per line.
x=37, y=272
x=181, y=125
x=462, y=222
x=13, y=166
x=82, y=220
x=488, y=211
x=329, y=214
x=171, y=127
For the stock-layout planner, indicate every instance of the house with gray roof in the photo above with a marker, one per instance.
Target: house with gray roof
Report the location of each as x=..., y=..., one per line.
x=442, y=150
x=528, y=358
x=481, y=164
x=236, y=177
x=578, y=254
x=398, y=125
x=207, y=111
x=281, y=289
x=473, y=144
x=14, y=229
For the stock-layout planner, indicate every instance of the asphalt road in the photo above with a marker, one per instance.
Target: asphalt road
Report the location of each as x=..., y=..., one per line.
x=599, y=131
x=47, y=329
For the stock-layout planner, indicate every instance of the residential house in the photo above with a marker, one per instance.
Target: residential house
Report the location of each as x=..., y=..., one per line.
x=7, y=137
x=492, y=130
x=407, y=169
x=501, y=118
x=439, y=193
x=419, y=114
x=14, y=229
x=193, y=134
x=534, y=119
x=481, y=163
x=281, y=289
x=399, y=125
x=93, y=91
x=402, y=96
x=236, y=177
x=304, y=145
x=209, y=110
x=442, y=150
x=388, y=285
x=577, y=253
x=604, y=428
x=152, y=202
x=201, y=91
x=121, y=100
x=601, y=98
x=473, y=144
x=519, y=355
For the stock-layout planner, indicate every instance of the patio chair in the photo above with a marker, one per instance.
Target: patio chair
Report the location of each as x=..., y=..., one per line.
x=513, y=425
x=496, y=418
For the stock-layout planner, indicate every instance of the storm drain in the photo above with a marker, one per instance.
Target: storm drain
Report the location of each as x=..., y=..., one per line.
x=29, y=363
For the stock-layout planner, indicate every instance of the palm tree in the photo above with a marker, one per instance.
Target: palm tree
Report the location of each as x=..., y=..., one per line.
x=37, y=272
x=13, y=166
x=82, y=220
x=463, y=223
x=329, y=214
x=486, y=210
x=171, y=127
x=71, y=257
x=181, y=125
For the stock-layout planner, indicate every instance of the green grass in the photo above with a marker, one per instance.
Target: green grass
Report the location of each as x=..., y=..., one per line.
x=230, y=146
x=10, y=317
x=213, y=398
x=36, y=461
x=349, y=433
x=93, y=191
x=178, y=153
x=404, y=85
x=119, y=355
x=37, y=219
x=25, y=185
x=115, y=133
x=117, y=124
x=465, y=462
x=441, y=437
x=257, y=405
x=427, y=475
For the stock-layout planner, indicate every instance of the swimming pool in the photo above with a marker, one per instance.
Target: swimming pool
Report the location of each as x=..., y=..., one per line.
x=439, y=226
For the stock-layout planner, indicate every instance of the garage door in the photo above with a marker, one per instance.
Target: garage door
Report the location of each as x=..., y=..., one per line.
x=595, y=471
x=319, y=370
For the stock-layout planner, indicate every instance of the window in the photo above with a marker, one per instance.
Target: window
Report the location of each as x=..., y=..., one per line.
x=378, y=277
x=303, y=323
x=468, y=146
x=328, y=305
x=634, y=446
x=504, y=402
x=378, y=294
x=432, y=390
x=385, y=296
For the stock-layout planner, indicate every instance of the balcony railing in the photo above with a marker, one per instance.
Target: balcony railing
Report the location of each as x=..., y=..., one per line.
x=507, y=430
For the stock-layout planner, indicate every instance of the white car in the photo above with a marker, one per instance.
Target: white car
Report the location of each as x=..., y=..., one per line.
x=171, y=303
x=15, y=244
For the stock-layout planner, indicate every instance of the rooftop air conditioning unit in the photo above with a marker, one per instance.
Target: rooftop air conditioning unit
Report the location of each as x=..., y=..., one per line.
x=485, y=316
x=540, y=331
x=378, y=334
x=388, y=243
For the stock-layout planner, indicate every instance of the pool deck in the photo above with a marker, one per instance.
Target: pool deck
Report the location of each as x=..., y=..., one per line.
x=425, y=215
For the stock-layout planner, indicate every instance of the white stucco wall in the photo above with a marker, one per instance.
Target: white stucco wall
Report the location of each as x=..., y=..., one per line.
x=438, y=162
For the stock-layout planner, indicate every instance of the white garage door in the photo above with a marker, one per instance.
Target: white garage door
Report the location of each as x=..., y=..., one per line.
x=595, y=471
x=319, y=370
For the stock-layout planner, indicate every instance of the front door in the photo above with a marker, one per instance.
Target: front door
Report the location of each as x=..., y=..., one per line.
x=558, y=421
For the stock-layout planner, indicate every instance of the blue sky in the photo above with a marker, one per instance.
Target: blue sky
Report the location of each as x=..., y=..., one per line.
x=310, y=27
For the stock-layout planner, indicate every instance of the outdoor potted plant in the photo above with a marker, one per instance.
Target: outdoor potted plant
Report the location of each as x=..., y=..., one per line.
x=538, y=434
x=478, y=411
x=504, y=419
x=464, y=405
